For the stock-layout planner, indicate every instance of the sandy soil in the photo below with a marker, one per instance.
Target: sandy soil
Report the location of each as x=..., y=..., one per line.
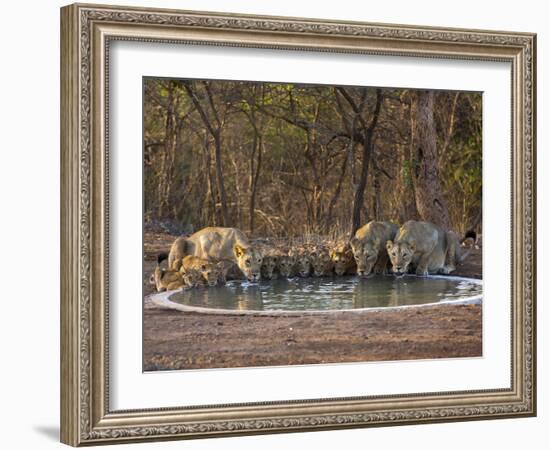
x=177, y=340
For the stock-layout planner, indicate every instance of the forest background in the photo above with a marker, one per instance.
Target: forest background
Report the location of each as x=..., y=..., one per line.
x=288, y=160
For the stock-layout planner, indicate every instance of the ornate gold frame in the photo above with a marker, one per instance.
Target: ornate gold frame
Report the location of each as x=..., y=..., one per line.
x=86, y=31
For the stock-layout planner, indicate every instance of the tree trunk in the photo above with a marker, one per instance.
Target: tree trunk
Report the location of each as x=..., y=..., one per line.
x=406, y=196
x=213, y=217
x=360, y=189
x=254, y=175
x=337, y=192
x=430, y=203
x=368, y=143
x=376, y=199
x=214, y=127
x=449, y=129
x=219, y=178
x=167, y=164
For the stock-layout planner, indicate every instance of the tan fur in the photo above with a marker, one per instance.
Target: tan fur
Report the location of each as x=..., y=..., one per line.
x=342, y=258
x=177, y=252
x=456, y=251
x=192, y=278
x=425, y=248
x=369, y=247
x=229, y=271
x=303, y=262
x=209, y=271
x=286, y=265
x=167, y=280
x=321, y=261
x=219, y=244
x=269, y=264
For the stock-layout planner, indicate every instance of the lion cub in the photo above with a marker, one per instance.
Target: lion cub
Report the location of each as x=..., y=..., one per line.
x=369, y=247
x=321, y=262
x=168, y=279
x=303, y=262
x=342, y=258
x=285, y=265
x=209, y=271
x=269, y=264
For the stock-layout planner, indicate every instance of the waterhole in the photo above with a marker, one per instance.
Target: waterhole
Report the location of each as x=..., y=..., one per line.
x=328, y=294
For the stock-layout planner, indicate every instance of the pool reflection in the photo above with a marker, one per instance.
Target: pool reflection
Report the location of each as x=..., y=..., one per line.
x=301, y=294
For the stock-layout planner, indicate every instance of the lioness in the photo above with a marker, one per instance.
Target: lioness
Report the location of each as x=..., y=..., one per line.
x=425, y=246
x=369, y=247
x=218, y=244
x=321, y=262
x=342, y=257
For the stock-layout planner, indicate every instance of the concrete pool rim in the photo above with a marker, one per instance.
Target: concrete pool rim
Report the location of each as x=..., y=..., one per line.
x=162, y=300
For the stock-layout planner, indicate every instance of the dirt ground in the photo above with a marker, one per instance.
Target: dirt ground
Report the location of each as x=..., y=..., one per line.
x=177, y=340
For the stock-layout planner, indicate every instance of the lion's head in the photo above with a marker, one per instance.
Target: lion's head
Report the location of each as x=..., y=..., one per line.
x=321, y=262
x=341, y=257
x=249, y=260
x=365, y=254
x=210, y=272
x=269, y=262
x=401, y=255
x=303, y=263
x=285, y=265
x=191, y=277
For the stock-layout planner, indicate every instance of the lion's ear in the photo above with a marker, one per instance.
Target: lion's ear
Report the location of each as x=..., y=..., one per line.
x=239, y=251
x=389, y=245
x=412, y=245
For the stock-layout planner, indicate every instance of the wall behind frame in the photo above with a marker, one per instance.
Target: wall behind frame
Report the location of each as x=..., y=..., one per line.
x=29, y=229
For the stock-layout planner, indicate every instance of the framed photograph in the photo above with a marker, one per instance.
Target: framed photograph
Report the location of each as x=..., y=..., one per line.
x=275, y=224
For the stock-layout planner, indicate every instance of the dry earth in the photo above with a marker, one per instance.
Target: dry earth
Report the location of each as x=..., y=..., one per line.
x=177, y=340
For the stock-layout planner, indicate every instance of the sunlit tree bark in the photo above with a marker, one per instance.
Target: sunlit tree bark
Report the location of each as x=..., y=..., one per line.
x=430, y=202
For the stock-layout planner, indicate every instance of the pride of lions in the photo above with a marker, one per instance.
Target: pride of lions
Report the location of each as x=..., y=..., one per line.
x=214, y=255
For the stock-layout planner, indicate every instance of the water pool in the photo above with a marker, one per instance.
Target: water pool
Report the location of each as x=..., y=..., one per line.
x=330, y=294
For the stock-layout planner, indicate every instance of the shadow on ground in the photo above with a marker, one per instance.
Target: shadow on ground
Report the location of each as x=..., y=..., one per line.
x=49, y=431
